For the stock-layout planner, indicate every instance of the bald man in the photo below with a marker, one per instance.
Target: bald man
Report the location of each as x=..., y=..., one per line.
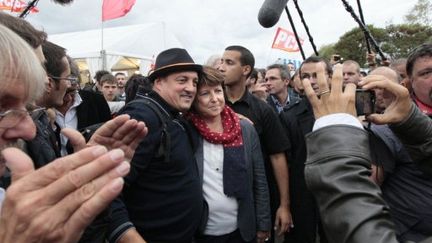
x=383, y=99
x=405, y=188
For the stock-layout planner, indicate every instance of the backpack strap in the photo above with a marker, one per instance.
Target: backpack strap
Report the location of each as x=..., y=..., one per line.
x=164, y=150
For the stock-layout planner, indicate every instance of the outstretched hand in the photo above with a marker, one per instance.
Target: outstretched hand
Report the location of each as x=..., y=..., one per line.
x=401, y=105
x=121, y=132
x=332, y=101
x=56, y=202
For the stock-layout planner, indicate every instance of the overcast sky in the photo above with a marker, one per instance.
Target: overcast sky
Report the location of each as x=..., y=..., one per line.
x=206, y=27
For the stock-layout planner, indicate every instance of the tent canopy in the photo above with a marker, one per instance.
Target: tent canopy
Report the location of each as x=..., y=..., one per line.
x=142, y=42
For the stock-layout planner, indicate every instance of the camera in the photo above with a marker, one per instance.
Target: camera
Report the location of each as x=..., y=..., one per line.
x=365, y=102
x=336, y=58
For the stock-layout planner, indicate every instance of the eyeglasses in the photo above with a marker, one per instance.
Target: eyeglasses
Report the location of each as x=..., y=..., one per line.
x=12, y=117
x=71, y=79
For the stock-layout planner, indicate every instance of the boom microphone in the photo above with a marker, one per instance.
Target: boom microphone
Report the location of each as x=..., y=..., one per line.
x=270, y=12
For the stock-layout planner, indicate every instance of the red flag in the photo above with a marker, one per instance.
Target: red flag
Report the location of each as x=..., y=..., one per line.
x=15, y=6
x=112, y=9
x=285, y=40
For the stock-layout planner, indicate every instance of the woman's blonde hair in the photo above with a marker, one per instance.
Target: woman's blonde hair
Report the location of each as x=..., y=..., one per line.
x=19, y=63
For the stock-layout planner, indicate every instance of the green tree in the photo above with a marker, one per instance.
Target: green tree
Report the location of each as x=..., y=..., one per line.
x=327, y=51
x=420, y=13
x=352, y=44
x=404, y=38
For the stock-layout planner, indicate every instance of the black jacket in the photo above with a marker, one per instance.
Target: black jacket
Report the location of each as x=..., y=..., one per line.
x=337, y=169
x=163, y=200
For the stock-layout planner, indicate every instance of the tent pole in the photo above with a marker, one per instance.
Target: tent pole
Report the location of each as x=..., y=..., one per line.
x=102, y=52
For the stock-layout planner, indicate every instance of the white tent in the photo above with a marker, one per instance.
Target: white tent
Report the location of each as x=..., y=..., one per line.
x=126, y=47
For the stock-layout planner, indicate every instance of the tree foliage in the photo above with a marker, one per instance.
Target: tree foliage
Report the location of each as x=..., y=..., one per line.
x=420, y=13
x=396, y=41
x=405, y=37
x=327, y=51
x=352, y=45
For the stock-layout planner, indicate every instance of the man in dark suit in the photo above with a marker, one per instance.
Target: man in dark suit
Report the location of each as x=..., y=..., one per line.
x=298, y=120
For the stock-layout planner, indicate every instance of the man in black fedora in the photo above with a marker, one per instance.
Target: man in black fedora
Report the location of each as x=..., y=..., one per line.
x=162, y=198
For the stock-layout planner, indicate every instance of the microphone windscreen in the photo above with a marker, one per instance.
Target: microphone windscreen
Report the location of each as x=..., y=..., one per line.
x=270, y=12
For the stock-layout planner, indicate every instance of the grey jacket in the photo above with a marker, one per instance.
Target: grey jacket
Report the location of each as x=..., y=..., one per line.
x=337, y=169
x=254, y=211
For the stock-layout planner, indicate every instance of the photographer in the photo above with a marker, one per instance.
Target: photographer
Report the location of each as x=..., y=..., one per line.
x=338, y=162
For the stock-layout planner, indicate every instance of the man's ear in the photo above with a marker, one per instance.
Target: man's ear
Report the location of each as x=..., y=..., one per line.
x=50, y=85
x=247, y=70
x=157, y=83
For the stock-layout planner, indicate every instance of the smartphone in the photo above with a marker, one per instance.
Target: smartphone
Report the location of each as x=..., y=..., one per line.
x=365, y=102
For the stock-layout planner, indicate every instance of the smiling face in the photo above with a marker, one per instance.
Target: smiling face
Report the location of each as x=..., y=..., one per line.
x=210, y=101
x=177, y=89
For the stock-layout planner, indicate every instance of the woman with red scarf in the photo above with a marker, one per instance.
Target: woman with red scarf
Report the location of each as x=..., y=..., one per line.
x=231, y=168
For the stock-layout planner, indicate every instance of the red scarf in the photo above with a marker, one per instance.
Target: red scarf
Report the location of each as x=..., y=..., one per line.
x=426, y=109
x=231, y=135
x=234, y=163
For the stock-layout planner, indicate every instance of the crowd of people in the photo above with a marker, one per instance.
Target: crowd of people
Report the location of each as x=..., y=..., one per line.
x=223, y=152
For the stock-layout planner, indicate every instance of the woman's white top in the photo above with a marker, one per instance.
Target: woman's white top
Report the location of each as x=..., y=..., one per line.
x=222, y=209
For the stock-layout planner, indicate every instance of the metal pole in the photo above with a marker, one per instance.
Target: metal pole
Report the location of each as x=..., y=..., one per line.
x=295, y=32
x=306, y=27
x=365, y=29
x=102, y=52
x=26, y=11
x=363, y=21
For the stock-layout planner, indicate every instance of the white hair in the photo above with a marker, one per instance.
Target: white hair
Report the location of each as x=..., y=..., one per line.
x=19, y=63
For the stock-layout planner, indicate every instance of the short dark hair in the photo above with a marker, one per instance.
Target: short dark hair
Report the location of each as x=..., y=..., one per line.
x=119, y=73
x=24, y=29
x=246, y=56
x=284, y=73
x=254, y=74
x=99, y=75
x=424, y=50
x=75, y=71
x=135, y=83
x=211, y=77
x=54, y=55
x=108, y=78
x=317, y=59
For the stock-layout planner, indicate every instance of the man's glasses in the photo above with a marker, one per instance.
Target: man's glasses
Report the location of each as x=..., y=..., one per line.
x=12, y=117
x=71, y=79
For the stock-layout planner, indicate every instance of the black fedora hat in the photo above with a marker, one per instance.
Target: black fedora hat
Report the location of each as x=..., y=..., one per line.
x=173, y=60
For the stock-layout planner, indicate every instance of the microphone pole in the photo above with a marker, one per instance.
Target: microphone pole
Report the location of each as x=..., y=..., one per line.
x=363, y=21
x=364, y=29
x=26, y=11
x=295, y=32
x=300, y=12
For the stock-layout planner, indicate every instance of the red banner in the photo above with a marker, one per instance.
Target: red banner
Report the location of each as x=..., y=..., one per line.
x=112, y=9
x=285, y=40
x=15, y=6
